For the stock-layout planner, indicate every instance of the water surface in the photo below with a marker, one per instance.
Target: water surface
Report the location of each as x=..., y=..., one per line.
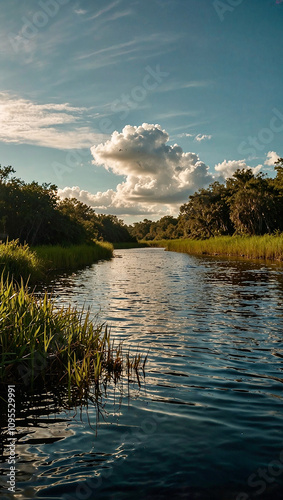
x=207, y=421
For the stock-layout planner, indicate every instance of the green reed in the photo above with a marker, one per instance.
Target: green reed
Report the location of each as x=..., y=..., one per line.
x=43, y=344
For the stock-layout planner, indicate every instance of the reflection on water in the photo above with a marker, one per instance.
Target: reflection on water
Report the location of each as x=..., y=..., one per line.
x=208, y=420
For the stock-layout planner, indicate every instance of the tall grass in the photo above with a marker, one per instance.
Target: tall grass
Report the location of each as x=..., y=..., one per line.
x=19, y=261
x=43, y=345
x=58, y=257
x=268, y=247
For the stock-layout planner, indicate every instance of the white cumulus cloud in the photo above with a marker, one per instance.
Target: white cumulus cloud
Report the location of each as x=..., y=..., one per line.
x=271, y=158
x=227, y=168
x=158, y=177
x=153, y=169
x=109, y=203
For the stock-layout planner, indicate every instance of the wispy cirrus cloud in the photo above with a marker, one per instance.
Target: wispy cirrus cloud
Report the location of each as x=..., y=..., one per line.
x=59, y=126
x=202, y=137
x=113, y=50
x=188, y=125
x=100, y=12
x=139, y=47
x=178, y=85
x=173, y=114
x=80, y=12
x=197, y=137
x=109, y=14
x=118, y=15
x=185, y=134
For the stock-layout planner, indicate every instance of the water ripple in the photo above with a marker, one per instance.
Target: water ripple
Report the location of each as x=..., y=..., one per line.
x=210, y=411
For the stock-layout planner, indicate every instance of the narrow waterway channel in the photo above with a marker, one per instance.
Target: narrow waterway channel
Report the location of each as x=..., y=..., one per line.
x=207, y=420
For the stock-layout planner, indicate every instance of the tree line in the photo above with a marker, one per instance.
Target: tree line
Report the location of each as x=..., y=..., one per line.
x=247, y=204
x=35, y=214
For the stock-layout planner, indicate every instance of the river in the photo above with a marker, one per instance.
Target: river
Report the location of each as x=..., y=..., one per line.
x=206, y=422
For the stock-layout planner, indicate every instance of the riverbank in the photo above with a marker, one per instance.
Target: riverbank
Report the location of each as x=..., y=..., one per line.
x=267, y=247
x=130, y=244
x=20, y=261
x=41, y=345
x=56, y=257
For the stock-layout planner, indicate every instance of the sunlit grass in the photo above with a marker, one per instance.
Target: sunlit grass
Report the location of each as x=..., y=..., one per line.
x=267, y=247
x=19, y=261
x=57, y=257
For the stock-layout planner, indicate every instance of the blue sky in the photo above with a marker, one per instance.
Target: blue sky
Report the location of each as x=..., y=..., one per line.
x=131, y=106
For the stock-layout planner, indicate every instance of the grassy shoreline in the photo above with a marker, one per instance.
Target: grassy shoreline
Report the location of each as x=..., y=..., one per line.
x=131, y=244
x=41, y=345
x=56, y=257
x=21, y=262
x=267, y=247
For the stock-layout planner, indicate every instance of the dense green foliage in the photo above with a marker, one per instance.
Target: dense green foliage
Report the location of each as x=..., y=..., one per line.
x=247, y=204
x=99, y=226
x=34, y=214
x=167, y=227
